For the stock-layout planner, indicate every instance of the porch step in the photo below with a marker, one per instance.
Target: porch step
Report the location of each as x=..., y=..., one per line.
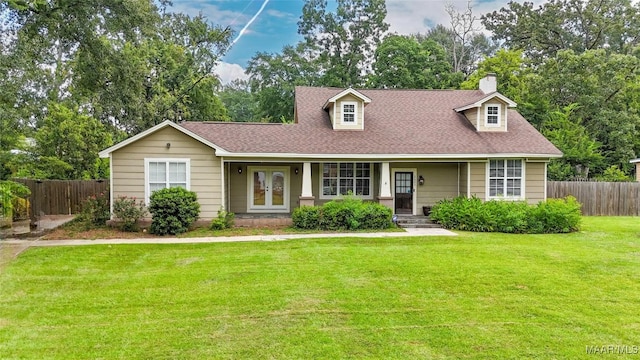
x=419, y=221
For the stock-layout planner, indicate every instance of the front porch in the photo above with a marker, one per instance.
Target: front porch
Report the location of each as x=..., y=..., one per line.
x=277, y=188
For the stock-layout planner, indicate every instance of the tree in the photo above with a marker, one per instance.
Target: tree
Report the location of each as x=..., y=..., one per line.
x=239, y=101
x=273, y=79
x=403, y=62
x=71, y=141
x=577, y=25
x=605, y=88
x=580, y=152
x=345, y=40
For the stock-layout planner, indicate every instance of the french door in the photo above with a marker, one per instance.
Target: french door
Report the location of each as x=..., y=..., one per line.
x=268, y=190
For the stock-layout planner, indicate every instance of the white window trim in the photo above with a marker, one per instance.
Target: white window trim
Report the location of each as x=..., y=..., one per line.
x=523, y=181
x=486, y=115
x=355, y=112
x=147, y=188
x=330, y=197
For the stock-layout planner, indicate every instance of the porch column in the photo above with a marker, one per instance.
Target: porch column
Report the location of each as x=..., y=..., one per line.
x=385, y=197
x=306, y=198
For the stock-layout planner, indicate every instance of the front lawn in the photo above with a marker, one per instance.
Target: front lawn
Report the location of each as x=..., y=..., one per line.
x=477, y=295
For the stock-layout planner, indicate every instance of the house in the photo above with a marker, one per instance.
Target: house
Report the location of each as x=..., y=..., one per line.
x=403, y=148
x=636, y=162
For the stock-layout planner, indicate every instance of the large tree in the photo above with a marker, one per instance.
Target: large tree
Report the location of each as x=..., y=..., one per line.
x=345, y=39
x=577, y=25
x=404, y=62
x=274, y=77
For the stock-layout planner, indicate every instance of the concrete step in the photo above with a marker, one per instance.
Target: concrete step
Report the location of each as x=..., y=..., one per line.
x=420, y=226
x=416, y=222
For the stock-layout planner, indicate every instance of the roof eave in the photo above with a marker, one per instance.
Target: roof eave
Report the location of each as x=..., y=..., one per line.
x=106, y=152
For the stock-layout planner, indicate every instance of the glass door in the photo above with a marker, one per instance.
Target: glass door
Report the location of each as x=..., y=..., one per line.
x=268, y=190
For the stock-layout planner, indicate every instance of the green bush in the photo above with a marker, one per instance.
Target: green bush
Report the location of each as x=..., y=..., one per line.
x=306, y=217
x=13, y=199
x=223, y=221
x=472, y=214
x=349, y=213
x=128, y=211
x=95, y=211
x=173, y=210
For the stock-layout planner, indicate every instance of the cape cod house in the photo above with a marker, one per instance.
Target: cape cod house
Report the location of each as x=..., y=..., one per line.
x=403, y=148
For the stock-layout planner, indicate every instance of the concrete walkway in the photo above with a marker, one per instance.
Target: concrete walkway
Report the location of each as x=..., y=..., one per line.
x=282, y=237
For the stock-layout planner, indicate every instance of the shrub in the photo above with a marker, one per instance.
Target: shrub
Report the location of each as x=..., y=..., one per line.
x=173, y=210
x=349, y=213
x=557, y=215
x=13, y=202
x=223, y=221
x=306, y=217
x=128, y=211
x=95, y=211
x=471, y=214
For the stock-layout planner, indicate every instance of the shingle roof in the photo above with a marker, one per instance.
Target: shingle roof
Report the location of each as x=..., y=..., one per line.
x=420, y=122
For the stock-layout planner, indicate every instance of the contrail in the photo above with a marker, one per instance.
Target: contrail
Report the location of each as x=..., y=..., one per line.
x=249, y=23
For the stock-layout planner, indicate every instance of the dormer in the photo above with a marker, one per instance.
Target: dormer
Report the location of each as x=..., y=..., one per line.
x=346, y=110
x=490, y=112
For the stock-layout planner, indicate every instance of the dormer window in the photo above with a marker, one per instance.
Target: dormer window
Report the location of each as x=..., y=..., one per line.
x=492, y=115
x=349, y=112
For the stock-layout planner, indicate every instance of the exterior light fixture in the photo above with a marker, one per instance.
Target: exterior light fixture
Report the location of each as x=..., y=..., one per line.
x=168, y=145
x=239, y=169
x=421, y=180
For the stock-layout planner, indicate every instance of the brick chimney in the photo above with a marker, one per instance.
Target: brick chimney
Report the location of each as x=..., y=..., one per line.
x=489, y=83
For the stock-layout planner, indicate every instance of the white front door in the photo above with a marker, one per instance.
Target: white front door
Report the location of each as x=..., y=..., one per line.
x=268, y=189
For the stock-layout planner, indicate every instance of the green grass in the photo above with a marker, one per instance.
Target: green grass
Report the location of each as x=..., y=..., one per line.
x=474, y=296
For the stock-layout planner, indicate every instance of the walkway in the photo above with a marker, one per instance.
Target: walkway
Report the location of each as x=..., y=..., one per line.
x=220, y=239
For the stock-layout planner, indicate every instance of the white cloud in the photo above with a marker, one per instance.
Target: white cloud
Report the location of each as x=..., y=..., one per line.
x=213, y=13
x=228, y=72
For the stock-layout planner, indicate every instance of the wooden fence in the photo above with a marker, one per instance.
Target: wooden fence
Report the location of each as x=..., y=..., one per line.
x=600, y=198
x=61, y=197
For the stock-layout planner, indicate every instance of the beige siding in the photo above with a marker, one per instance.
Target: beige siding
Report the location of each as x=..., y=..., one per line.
x=337, y=122
x=462, y=181
x=535, y=180
x=472, y=116
x=440, y=182
x=478, y=179
x=128, y=167
x=503, y=116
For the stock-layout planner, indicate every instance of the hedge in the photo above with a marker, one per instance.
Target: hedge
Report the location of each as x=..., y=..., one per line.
x=472, y=214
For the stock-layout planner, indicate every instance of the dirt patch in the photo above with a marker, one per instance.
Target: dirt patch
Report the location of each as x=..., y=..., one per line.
x=8, y=252
x=92, y=234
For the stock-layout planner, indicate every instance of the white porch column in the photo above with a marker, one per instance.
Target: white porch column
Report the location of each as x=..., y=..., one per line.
x=385, y=197
x=385, y=180
x=306, y=198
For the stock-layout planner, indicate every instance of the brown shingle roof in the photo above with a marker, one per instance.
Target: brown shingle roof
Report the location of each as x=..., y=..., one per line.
x=396, y=122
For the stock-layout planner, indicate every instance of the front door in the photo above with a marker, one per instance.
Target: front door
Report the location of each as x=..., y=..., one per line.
x=268, y=190
x=404, y=192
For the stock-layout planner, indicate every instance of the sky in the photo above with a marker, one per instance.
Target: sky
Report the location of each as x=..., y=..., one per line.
x=275, y=23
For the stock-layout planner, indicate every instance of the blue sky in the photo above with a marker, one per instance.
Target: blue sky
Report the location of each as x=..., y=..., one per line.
x=276, y=25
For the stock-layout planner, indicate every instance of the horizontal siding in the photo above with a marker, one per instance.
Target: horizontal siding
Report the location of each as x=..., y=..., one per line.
x=534, y=185
x=440, y=182
x=478, y=179
x=206, y=181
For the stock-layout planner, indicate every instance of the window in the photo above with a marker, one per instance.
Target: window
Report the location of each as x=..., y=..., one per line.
x=345, y=178
x=492, y=116
x=349, y=112
x=505, y=178
x=165, y=173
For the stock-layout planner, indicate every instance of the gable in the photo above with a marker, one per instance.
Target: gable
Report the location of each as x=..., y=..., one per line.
x=489, y=113
x=346, y=110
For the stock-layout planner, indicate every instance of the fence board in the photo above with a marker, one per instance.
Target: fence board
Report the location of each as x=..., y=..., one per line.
x=61, y=197
x=600, y=198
